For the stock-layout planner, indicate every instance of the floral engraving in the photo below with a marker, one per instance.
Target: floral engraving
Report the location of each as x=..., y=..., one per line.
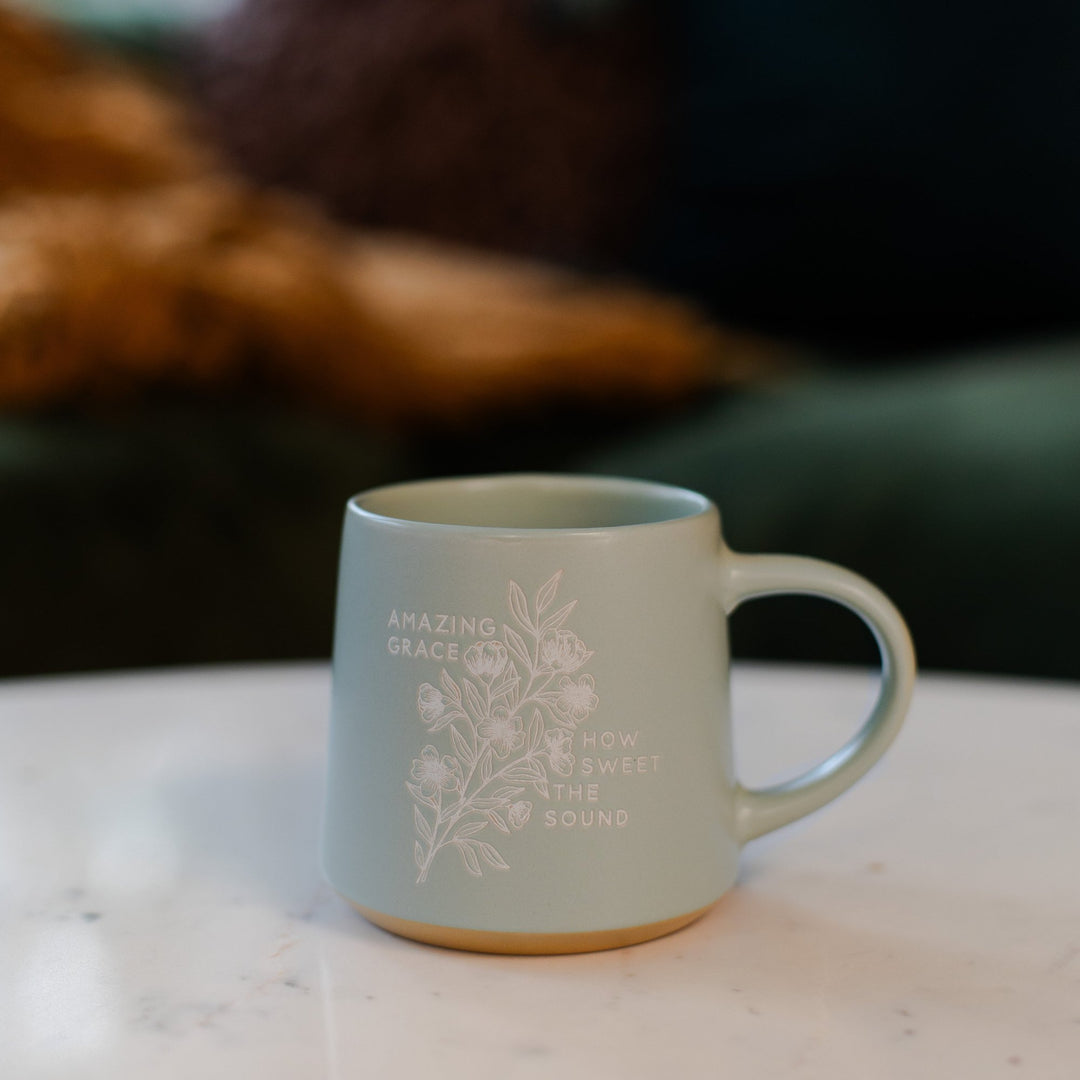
x=508, y=721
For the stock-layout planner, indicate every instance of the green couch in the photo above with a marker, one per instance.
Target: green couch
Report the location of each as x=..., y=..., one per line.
x=194, y=531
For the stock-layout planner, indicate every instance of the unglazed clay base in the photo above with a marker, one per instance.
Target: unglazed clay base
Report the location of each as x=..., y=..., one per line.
x=491, y=941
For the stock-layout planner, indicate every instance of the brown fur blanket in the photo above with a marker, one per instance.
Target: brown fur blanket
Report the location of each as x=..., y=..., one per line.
x=132, y=259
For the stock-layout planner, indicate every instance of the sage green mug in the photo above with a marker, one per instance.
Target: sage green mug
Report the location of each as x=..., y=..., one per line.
x=530, y=746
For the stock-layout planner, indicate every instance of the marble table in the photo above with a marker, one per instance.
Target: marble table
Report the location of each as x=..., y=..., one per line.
x=162, y=913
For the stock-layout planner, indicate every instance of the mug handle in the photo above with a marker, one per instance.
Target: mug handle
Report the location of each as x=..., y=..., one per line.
x=745, y=577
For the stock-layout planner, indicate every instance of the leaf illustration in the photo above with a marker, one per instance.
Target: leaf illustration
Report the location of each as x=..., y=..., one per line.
x=516, y=644
x=461, y=746
x=504, y=685
x=468, y=855
x=505, y=794
x=513, y=697
x=498, y=822
x=490, y=803
x=553, y=622
x=519, y=606
x=491, y=856
x=536, y=730
x=419, y=796
x=418, y=855
x=531, y=771
x=528, y=769
x=550, y=699
x=546, y=593
x=509, y=693
x=500, y=799
x=485, y=767
x=422, y=826
x=447, y=717
x=450, y=688
x=473, y=700
x=470, y=828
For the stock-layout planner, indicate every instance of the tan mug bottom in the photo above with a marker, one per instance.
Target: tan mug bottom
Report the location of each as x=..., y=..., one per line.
x=494, y=941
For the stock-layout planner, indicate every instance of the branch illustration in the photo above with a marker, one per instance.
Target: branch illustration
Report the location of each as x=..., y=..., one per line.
x=484, y=718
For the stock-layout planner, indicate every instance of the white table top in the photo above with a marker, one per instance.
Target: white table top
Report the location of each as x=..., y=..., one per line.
x=162, y=915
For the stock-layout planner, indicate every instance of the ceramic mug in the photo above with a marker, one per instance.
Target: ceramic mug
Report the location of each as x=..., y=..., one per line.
x=530, y=745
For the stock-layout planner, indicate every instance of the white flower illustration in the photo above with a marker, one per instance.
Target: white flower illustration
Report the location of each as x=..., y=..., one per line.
x=502, y=730
x=518, y=814
x=509, y=720
x=557, y=746
x=433, y=773
x=486, y=659
x=431, y=702
x=562, y=650
x=577, y=699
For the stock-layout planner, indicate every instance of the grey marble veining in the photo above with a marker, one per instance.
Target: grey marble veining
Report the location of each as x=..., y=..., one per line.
x=162, y=913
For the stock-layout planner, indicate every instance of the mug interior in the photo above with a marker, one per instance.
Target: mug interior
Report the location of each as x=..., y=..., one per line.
x=533, y=502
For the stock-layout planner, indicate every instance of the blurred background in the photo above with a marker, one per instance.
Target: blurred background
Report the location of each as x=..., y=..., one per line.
x=820, y=263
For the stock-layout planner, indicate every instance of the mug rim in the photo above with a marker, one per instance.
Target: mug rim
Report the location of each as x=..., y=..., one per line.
x=684, y=504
